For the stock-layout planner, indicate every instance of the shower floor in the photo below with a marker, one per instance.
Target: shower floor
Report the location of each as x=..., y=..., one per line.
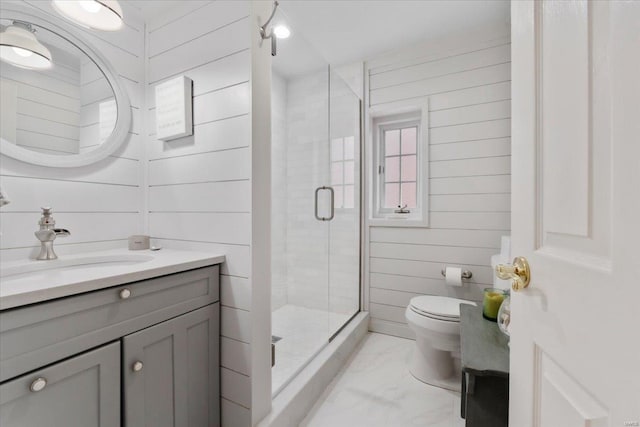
x=303, y=332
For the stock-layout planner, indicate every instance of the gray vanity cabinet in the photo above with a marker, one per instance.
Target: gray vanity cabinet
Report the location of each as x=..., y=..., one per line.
x=142, y=354
x=170, y=372
x=83, y=391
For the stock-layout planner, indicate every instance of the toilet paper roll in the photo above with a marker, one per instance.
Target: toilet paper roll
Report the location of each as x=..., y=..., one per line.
x=453, y=276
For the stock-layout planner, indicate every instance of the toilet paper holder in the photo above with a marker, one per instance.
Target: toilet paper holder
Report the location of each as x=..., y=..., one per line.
x=466, y=274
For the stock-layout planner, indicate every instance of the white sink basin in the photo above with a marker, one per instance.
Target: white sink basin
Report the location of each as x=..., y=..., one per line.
x=44, y=268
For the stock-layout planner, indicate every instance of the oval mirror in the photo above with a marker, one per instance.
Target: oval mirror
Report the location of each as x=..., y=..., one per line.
x=70, y=113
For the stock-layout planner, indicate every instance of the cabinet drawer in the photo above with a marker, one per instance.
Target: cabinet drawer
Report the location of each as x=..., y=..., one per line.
x=83, y=391
x=37, y=335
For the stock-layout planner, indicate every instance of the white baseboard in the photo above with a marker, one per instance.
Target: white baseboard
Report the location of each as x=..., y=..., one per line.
x=391, y=328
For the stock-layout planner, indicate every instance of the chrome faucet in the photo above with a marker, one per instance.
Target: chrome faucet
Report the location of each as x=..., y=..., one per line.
x=47, y=234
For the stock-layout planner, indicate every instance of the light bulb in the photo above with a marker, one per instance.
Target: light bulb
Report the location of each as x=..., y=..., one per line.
x=281, y=32
x=22, y=52
x=103, y=15
x=90, y=6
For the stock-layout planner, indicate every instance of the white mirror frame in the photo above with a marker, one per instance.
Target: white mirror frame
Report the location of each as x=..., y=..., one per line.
x=123, y=121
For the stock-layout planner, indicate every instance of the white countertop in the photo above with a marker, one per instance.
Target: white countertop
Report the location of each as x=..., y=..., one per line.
x=30, y=281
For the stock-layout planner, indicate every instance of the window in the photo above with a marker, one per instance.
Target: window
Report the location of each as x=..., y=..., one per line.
x=399, y=166
x=343, y=169
x=399, y=169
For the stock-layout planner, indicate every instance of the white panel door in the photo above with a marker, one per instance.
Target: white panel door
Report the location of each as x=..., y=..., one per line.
x=575, y=337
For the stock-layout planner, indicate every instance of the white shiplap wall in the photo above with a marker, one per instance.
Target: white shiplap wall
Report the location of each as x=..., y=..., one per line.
x=100, y=204
x=466, y=80
x=96, y=96
x=199, y=186
x=46, y=106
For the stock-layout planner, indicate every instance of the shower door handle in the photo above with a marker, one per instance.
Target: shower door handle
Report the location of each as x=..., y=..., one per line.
x=315, y=209
x=315, y=206
x=333, y=206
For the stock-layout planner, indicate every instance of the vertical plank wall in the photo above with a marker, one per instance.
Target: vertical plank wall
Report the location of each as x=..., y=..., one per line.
x=101, y=204
x=467, y=83
x=199, y=187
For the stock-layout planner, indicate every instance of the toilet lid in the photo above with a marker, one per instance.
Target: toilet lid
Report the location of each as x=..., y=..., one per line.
x=445, y=308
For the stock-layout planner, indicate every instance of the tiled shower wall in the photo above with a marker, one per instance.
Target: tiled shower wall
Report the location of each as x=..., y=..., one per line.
x=279, y=212
x=307, y=153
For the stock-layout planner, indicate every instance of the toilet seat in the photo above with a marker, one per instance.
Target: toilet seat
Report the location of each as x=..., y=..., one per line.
x=439, y=308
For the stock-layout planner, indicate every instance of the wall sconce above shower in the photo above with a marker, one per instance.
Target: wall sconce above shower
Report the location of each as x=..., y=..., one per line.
x=281, y=31
x=277, y=32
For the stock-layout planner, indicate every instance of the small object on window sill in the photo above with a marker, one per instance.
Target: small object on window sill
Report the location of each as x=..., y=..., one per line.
x=402, y=210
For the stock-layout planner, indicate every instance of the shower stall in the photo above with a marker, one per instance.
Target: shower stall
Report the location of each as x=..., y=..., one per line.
x=316, y=204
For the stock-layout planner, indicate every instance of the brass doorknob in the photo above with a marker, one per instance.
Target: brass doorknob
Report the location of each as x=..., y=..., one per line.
x=519, y=273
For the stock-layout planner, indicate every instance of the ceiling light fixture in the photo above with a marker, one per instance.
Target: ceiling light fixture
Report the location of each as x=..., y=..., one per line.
x=20, y=47
x=103, y=15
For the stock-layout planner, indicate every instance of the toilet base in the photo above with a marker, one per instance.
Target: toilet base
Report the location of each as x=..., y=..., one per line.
x=435, y=367
x=452, y=383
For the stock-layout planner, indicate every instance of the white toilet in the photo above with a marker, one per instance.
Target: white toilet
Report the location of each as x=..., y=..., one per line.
x=436, y=323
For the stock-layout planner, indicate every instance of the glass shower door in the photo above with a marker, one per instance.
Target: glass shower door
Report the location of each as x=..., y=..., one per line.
x=344, y=228
x=300, y=205
x=315, y=206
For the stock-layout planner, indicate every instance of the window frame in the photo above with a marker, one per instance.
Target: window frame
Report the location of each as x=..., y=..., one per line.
x=380, y=120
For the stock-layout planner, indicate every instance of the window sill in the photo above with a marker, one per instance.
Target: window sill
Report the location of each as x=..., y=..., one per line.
x=394, y=221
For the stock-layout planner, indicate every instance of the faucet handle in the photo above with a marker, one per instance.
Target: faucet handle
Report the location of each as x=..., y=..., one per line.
x=63, y=232
x=47, y=220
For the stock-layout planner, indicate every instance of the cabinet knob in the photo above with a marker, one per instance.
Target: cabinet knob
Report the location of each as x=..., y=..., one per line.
x=38, y=384
x=137, y=366
x=125, y=293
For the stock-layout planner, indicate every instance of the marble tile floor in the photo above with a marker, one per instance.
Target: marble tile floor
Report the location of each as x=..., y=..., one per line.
x=304, y=332
x=376, y=389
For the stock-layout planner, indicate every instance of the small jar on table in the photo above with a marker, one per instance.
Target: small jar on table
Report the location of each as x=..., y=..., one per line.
x=491, y=302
